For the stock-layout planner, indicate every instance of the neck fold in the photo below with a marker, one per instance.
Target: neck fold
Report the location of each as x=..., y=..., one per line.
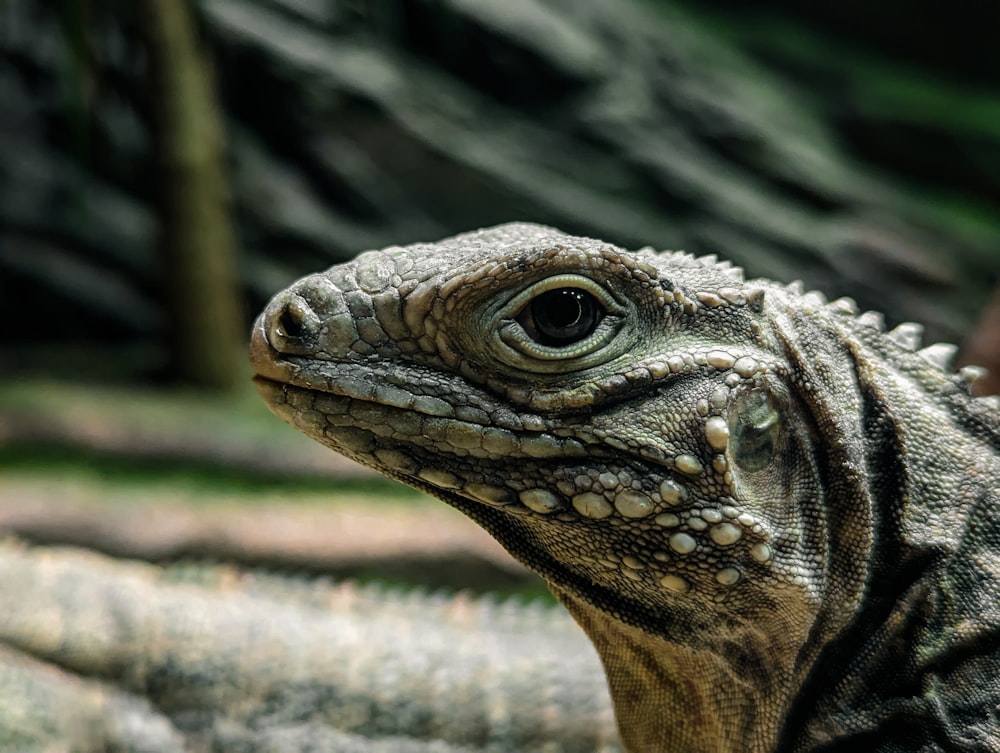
x=674, y=697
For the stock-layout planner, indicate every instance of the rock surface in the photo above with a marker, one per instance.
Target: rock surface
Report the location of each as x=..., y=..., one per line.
x=355, y=126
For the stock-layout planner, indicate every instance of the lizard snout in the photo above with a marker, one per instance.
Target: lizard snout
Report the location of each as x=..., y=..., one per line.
x=291, y=325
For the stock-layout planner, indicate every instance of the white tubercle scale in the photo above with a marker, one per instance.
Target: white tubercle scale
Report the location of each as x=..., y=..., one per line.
x=634, y=504
x=743, y=366
x=707, y=549
x=541, y=501
x=688, y=464
x=672, y=493
x=728, y=576
x=717, y=433
x=591, y=505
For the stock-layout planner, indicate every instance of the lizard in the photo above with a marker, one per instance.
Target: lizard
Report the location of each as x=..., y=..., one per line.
x=103, y=654
x=777, y=521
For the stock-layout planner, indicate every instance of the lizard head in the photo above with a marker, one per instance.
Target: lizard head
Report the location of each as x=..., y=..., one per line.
x=627, y=424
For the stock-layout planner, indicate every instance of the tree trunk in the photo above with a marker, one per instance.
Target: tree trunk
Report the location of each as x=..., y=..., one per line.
x=196, y=244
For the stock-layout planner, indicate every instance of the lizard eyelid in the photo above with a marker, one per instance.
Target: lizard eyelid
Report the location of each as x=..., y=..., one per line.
x=560, y=318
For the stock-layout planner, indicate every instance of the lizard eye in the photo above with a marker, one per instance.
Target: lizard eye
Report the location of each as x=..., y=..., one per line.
x=560, y=320
x=755, y=430
x=560, y=317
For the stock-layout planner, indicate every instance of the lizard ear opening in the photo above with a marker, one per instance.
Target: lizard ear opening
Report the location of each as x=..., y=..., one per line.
x=756, y=430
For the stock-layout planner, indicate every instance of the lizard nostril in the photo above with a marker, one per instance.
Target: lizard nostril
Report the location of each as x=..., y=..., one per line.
x=292, y=326
x=290, y=322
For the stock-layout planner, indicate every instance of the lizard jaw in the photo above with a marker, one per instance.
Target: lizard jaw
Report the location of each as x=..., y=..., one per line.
x=531, y=522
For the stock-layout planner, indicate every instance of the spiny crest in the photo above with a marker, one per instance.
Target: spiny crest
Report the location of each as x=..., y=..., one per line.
x=681, y=259
x=972, y=373
x=686, y=260
x=845, y=306
x=815, y=298
x=941, y=355
x=872, y=320
x=725, y=266
x=908, y=335
x=732, y=272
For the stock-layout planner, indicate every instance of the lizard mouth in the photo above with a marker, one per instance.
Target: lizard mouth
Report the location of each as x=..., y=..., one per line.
x=416, y=438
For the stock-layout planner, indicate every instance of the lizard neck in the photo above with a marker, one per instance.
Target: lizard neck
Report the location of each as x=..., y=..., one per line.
x=672, y=697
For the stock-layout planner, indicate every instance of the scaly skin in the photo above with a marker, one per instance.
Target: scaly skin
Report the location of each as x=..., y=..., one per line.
x=98, y=655
x=777, y=523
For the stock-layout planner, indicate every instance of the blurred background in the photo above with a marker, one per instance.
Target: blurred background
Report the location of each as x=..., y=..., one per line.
x=167, y=165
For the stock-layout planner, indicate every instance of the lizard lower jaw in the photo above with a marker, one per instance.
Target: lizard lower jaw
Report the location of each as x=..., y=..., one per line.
x=328, y=409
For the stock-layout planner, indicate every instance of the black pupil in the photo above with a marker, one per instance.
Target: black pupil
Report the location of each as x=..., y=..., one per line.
x=563, y=316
